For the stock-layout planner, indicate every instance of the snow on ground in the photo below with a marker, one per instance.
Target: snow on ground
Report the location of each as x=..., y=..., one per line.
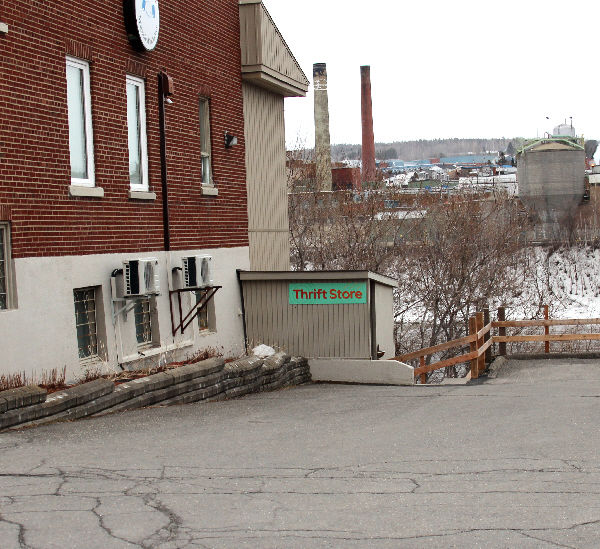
x=263, y=351
x=567, y=280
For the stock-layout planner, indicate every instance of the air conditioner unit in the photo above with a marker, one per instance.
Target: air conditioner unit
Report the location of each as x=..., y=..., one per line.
x=197, y=271
x=141, y=277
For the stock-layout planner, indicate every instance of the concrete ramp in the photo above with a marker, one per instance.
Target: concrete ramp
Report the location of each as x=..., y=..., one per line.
x=372, y=372
x=536, y=370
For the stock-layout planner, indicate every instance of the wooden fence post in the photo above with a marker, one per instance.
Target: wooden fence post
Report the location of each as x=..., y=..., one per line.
x=423, y=375
x=481, y=360
x=486, y=321
x=546, y=329
x=473, y=347
x=501, y=331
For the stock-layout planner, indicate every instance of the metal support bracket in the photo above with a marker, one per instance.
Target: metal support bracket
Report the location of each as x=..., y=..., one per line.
x=209, y=293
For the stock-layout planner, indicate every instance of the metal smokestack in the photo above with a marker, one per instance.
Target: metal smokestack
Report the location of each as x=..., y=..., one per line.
x=368, y=138
x=322, y=138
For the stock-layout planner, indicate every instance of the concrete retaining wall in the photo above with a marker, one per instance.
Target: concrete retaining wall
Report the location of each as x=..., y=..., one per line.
x=210, y=380
x=379, y=372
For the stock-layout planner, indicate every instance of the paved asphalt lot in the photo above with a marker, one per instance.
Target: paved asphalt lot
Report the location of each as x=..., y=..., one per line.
x=513, y=462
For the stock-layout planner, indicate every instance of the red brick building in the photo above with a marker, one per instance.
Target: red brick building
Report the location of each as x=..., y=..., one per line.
x=84, y=188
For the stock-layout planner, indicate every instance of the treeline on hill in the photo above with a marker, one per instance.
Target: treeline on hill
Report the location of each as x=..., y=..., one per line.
x=426, y=148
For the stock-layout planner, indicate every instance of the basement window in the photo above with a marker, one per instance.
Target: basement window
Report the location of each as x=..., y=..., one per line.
x=143, y=322
x=85, y=323
x=205, y=315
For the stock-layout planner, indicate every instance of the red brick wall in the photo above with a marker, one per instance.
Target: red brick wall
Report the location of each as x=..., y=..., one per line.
x=346, y=179
x=199, y=47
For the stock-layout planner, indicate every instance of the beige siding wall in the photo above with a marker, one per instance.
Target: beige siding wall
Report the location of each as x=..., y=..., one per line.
x=262, y=44
x=327, y=331
x=250, y=33
x=268, y=224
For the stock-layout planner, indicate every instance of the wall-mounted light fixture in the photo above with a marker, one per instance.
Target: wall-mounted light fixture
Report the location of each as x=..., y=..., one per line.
x=3, y=28
x=230, y=140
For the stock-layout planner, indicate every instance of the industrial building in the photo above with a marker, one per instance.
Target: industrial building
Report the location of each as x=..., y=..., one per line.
x=551, y=177
x=142, y=163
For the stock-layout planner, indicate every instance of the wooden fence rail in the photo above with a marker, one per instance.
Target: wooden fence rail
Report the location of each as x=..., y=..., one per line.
x=480, y=341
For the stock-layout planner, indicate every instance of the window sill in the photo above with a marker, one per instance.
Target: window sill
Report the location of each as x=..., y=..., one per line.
x=94, y=360
x=89, y=192
x=153, y=351
x=209, y=190
x=207, y=332
x=142, y=195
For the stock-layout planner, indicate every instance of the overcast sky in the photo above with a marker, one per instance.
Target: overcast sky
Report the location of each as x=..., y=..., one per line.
x=446, y=69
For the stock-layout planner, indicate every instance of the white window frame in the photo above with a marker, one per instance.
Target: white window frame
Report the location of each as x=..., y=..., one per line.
x=87, y=110
x=91, y=319
x=141, y=86
x=205, y=139
x=145, y=315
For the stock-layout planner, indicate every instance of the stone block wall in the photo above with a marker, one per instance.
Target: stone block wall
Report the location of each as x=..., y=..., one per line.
x=208, y=380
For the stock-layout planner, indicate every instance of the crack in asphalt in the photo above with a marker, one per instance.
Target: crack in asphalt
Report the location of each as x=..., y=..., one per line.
x=166, y=533
x=551, y=542
x=360, y=480
x=105, y=528
x=21, y=534
x=148, y=489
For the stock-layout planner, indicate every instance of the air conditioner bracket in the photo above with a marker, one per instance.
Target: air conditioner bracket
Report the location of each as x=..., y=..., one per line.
x=209, y=293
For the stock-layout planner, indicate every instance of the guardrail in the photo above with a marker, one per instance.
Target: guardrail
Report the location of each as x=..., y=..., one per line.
x=480, y=341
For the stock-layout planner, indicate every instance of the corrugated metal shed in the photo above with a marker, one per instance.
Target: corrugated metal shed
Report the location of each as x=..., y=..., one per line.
x=346, y=330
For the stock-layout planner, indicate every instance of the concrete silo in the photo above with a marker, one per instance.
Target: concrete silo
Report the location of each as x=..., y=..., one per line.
x=551, y=176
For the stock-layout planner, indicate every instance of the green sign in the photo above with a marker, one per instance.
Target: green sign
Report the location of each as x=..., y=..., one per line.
x=327, y=293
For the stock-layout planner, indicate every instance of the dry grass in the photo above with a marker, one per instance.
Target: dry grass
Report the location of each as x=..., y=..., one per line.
x=12, y=381
x=52, y=380
x=55, y=379
x=209, y=352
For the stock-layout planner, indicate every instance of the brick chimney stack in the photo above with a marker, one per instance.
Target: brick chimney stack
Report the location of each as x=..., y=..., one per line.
x=322, y=138
x=368, y=138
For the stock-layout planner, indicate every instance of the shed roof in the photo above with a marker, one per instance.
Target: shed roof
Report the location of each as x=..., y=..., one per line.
x=551, y=144
x=318, y=275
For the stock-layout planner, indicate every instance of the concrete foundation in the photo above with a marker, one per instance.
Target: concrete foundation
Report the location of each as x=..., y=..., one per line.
x=40, y=334
x=380, y=372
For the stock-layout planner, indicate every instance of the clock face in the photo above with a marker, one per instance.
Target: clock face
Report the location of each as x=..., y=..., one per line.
x=147, y=19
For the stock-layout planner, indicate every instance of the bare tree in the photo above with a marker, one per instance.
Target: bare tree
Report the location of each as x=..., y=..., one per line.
x=451, y=253
x=347, y=229
x=468, y=260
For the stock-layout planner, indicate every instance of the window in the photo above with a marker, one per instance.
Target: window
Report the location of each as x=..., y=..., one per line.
x=143, y=322
x=206, y=315
x=136, y=134
x=81, y=141
x=5, y=297
x=205, y=142
x=85, y=322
